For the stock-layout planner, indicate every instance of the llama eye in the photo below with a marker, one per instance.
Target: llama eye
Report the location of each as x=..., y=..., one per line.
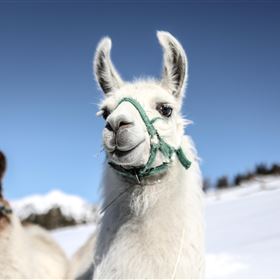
x=165, y=110
x=105, y=113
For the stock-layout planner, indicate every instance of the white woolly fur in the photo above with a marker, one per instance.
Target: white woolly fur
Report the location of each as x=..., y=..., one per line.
x=154, y=230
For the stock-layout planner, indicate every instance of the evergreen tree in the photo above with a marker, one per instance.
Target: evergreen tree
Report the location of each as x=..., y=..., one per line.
x=206, y=184
x=275, y=169
x=261, y=169
x=222, y=182
x=238, y=179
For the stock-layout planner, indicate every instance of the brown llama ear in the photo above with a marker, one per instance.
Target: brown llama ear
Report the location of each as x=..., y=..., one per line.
x=3, y=164
x=105, y=73
x=175, y=64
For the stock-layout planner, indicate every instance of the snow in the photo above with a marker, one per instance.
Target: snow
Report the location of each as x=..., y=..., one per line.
x=70, y=206
x=242, y=231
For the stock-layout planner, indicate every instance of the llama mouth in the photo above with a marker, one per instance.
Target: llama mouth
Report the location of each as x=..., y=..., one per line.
x=121, y=153
x=126, y=158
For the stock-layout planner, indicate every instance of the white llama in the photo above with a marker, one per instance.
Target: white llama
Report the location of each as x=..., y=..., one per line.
x=27, y=252
x=152, y=225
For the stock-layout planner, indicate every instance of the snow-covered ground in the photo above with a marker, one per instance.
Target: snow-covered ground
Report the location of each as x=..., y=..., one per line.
x=242, y=232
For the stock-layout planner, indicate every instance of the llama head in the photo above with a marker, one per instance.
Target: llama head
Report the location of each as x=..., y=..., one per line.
x=125, y=135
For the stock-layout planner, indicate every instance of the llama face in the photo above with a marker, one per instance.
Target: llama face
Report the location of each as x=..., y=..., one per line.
x=125, y=135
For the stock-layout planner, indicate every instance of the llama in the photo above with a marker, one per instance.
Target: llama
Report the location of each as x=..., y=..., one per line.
x=27, y=252
x=152, y=226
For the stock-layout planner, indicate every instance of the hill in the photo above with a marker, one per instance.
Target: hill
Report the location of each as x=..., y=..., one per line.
x=54, y=210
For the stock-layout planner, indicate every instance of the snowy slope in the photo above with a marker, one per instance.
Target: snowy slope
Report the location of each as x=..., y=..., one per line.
x=242, y=233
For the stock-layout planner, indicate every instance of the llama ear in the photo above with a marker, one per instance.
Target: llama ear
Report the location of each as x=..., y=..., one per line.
x=105, y=73
x=175, y=65
x=2, y=165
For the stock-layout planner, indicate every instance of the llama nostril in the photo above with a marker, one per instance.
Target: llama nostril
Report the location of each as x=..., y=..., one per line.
x=115, y=122
x=124, y=124
x=109, y=127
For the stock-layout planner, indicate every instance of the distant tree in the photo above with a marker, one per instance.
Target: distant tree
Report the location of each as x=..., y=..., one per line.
x=206, y=184
x=238, y=179
x=222, y=182
x=262, y=169
x=275, y=169
x=248, y=176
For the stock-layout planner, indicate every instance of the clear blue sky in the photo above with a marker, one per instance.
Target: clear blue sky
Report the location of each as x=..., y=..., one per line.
x=48, y=127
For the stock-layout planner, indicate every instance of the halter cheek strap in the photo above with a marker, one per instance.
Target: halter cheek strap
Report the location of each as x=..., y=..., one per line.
x=157, y=145
x=4, y=210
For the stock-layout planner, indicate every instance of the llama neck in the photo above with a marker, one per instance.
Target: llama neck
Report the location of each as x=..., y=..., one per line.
x=135, y=198
x=159, y=213
x=13, y=246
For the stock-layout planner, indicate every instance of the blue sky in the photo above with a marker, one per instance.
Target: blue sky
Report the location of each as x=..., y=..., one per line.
x=48, y=127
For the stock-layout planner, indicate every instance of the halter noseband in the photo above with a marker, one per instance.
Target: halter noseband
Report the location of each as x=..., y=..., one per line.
x=157, y=144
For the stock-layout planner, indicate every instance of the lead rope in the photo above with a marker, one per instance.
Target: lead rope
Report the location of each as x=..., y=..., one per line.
x=157, y=144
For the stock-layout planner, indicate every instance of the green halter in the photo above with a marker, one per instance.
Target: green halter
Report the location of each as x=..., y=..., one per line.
x=157, y=144
x=5, y=210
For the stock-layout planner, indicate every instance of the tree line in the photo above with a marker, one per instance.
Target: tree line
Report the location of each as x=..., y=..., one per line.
x=261, y=169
